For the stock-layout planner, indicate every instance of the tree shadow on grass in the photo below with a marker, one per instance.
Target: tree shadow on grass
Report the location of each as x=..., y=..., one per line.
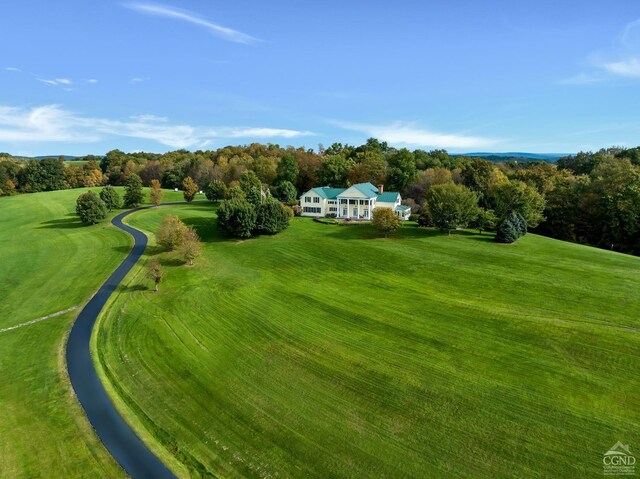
x=133, y=287
x=165, y=261
x=64, y=223
x=368, y=232
x=206, y=228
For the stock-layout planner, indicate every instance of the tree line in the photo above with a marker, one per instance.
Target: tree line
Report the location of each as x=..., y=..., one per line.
x=591, y=197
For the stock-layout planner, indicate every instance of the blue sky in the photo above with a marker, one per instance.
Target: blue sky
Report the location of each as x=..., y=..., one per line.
x=80, y=77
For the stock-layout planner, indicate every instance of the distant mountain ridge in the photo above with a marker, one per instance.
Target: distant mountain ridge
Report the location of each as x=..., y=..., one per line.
x=496, y=157
x=516, y=155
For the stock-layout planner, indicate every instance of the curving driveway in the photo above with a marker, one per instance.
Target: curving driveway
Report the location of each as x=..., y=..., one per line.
x=119, y=439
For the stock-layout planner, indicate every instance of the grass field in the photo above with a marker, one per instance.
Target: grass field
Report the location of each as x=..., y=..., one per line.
x=328, y=352
x=49, y=262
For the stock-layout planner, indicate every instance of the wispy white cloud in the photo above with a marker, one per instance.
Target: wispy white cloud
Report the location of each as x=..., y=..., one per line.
x=629, y=67
x=405, y=134
x=220, y=31
x=136, y=80
x=52, y=123
x=93, y=81
x=581, y=79
x=12, y=69
x=56, y=81
x=621, y=60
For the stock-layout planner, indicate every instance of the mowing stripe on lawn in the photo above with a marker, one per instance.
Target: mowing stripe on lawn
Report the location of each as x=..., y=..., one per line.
x=41, y=318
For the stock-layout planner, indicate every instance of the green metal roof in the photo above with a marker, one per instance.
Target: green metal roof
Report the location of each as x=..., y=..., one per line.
x=367, y=189
x=388, y=197
x=403, y=207
x=328, y=193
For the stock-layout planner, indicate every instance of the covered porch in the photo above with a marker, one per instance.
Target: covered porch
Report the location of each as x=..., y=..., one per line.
x=355, y=208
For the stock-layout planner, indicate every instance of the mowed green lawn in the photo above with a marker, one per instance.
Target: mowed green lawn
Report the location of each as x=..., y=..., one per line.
x=49, y=262
x=328, y=352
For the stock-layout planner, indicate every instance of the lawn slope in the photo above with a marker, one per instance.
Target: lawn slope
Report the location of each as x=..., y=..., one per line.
x=49, y=262
x=328, y=352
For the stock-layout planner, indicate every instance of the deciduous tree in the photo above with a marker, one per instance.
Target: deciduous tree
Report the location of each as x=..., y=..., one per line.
x=155, y=272
x=190, y=247
x=156, y=193
x=189, y=189
x=171, y=232
x=401, y=170
x=287, y=169
x=385, y=220
x=90, y=208
x=451, y=206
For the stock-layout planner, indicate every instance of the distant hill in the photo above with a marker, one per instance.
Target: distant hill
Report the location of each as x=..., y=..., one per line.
x=516, y=156
x=64, y=157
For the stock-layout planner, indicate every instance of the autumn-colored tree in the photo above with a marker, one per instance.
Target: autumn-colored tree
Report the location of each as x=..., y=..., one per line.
x=191, y=247
x=385, y=220
x=189, y=189
x=155, y=272
x=9, y=188
x=156, y=193
x=171, y=232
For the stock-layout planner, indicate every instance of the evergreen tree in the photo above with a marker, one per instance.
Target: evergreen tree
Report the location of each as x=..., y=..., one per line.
x=272, y=218
x=286, y=192
x=507, y=231
x=111, y=198
x=215, y=191
x=237, y=218
x=133, y=195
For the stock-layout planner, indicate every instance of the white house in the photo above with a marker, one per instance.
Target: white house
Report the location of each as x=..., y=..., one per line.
x=356, y=202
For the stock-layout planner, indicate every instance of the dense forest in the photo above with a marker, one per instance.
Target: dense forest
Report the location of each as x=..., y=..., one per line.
x=590, y=198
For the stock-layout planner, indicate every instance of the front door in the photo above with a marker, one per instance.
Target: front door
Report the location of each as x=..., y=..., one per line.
x=355, y=212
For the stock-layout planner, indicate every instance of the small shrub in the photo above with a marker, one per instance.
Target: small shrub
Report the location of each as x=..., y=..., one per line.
x=297, y=210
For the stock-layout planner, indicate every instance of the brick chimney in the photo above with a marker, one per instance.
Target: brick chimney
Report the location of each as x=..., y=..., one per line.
x=380, y=189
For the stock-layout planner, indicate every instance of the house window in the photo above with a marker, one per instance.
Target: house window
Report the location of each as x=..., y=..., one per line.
x=352, y=202
x=366, y=212
x=307, y=199
x=316, y=200
x=311, y=209
x=333, y=209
